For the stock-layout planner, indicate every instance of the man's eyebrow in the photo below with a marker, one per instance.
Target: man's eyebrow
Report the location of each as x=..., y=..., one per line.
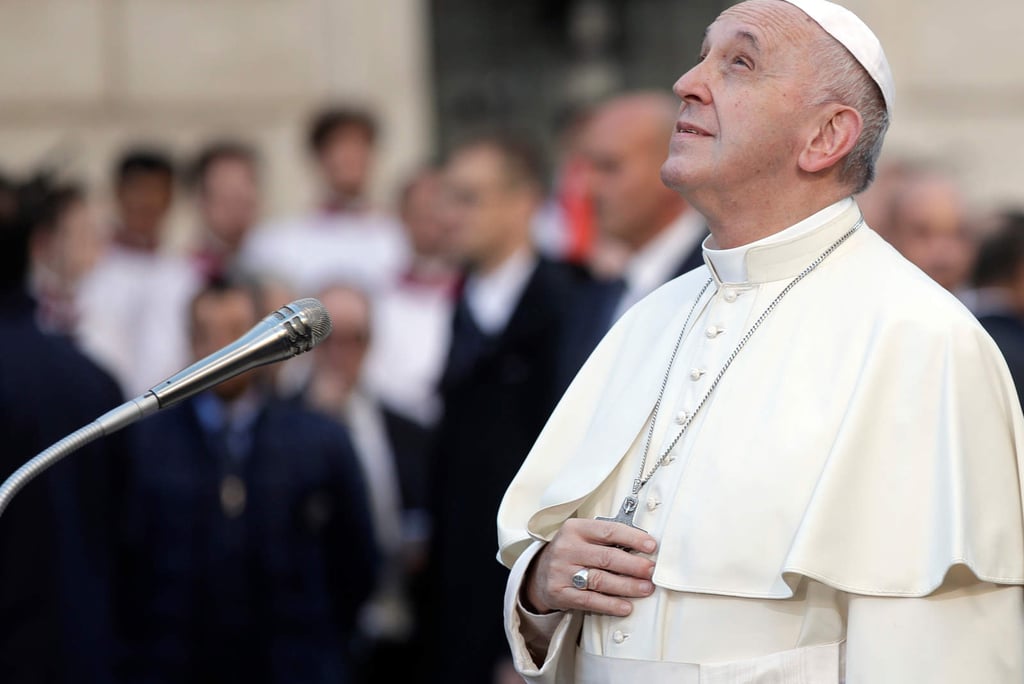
x=750, y=38
x=745, y=36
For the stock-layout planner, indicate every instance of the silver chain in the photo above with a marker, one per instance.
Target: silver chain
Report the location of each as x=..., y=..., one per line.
x=640, y=481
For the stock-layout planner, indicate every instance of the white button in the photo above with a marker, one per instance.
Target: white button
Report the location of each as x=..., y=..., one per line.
x=618, y=637
x=729, y=296
x=652, y=503
x=714, y=331
x=696, y=373
x=682, y=416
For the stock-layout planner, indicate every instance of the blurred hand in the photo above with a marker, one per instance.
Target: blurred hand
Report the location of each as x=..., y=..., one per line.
x=615, y=574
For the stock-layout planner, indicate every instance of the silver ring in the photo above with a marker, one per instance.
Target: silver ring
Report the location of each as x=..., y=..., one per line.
x=579, y=579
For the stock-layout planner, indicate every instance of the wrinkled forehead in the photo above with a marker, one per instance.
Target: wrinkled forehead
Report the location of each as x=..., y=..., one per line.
x=765, y=24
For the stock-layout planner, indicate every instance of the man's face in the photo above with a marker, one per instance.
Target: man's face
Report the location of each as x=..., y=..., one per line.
x=345, y=161
x=230, y=200
x=342, y=354
x=929, y=229
x=144, y=199
x=743, y=104
x=218, y=319
x=421, y=216
x=625, y=148
x=71, y=250
x=483, y=210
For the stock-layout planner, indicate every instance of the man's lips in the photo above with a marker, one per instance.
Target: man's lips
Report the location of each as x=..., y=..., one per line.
x=687, y=128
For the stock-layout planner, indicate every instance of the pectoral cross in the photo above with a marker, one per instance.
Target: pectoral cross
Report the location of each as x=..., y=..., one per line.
x=626, y=512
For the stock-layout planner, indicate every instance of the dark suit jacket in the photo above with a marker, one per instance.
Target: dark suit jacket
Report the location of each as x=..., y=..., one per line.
x=496, y=400
x=593, y=314
x=57, y=535
x=268, y=596
x=1008, y=332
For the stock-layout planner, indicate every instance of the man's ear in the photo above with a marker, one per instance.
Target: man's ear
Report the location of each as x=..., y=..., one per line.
x=834, y=138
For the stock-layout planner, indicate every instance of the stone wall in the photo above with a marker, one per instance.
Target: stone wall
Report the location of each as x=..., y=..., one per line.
x=79, y=79
x=959, y=88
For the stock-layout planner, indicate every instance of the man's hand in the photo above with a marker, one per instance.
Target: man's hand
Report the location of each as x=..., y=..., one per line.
x=615, y=574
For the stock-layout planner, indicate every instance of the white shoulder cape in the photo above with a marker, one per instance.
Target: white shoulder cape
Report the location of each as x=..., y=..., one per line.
x=869, y=437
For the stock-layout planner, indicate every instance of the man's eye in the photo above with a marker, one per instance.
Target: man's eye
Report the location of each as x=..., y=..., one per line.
x=743, y=61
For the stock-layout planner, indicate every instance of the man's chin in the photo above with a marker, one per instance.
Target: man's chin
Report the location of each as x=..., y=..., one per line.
x=673, y=175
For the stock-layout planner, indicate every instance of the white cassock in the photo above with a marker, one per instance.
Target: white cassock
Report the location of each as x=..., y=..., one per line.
x=846, y=506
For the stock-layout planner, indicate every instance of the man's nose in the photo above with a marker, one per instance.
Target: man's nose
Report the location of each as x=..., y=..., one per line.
x=692, y=86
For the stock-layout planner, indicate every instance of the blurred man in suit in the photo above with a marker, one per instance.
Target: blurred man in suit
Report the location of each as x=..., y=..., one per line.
x=498, y=389
x=998, y=297
x=57, y=535
x=393, y=452
x=249, y=543
x=658, y=232
x=930, y=228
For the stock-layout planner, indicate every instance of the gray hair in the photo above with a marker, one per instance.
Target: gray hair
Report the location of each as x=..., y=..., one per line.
x=842, y=79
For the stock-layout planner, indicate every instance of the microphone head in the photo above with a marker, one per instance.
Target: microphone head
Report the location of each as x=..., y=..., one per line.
x=307, y=322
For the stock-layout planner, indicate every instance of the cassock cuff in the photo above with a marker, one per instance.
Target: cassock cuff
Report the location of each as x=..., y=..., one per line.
x=532, y=637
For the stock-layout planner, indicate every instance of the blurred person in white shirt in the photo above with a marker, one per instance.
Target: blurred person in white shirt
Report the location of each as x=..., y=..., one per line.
x=225, y=181
x=133, y=304
x=344, y=237
x=412, y=316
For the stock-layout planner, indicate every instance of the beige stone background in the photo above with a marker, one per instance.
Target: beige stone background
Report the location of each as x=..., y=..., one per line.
x=79, y=79
x=959, y=71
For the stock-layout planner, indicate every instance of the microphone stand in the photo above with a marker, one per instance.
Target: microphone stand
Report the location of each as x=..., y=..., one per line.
x=108, y=423
x=288, y=332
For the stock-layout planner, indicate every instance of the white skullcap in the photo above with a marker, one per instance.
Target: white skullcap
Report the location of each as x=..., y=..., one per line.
x=855, y=36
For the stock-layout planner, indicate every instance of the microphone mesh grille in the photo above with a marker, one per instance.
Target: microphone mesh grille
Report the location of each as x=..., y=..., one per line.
x=319, y=321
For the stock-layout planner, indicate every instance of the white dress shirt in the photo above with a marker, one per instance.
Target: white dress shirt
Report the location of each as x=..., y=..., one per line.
x=656, y=262
x=492, y=297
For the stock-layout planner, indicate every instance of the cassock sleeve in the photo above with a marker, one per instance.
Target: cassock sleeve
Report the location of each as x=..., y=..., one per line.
x=543, y=646
x=967, y=631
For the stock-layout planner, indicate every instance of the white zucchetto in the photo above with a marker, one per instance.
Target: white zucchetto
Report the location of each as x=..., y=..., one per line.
x=855, y=36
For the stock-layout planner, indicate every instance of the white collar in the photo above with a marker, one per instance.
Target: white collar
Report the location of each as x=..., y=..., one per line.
x=492, y=298
x=656, y=262
x=731, y=264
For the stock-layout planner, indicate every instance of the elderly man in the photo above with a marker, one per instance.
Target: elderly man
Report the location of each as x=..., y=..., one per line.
x=802, y=458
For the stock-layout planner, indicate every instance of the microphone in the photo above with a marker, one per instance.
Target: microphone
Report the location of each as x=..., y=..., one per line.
x=288, y=332
x=291, y=330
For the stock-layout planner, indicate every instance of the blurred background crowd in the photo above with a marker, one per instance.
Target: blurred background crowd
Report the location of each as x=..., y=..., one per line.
x=473, y=193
